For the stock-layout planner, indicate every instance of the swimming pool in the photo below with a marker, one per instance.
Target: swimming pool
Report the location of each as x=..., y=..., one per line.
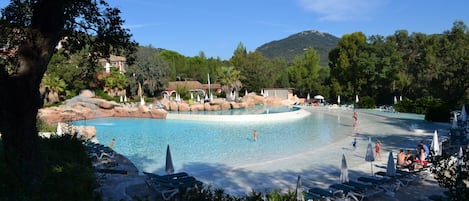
x=258, y=109
x=230, y=144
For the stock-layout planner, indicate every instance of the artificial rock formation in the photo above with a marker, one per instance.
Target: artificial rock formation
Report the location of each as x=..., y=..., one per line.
x=83, y=107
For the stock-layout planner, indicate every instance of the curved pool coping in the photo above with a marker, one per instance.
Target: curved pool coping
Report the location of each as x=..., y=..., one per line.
x=281, y=116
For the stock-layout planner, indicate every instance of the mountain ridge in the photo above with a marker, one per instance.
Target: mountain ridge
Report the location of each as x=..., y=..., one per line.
x=294, y=45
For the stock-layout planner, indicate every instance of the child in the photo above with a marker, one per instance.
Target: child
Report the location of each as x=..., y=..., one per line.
x=254, y=135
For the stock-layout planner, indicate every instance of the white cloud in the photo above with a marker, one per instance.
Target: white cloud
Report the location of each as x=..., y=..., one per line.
x=342, y=10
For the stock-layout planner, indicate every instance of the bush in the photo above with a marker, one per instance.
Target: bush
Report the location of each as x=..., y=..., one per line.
x=219, y=194
x=367, y=102
x=405, y=105
x=438, y=113
x=422, y=104
x=452, y=176
x=434, y=109
x=43, y=126
x=105, y=96
x=69, y=174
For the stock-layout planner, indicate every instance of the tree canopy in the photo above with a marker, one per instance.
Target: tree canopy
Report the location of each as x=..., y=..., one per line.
x=31, y=32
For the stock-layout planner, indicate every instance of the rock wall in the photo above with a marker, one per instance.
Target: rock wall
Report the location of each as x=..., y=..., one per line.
x=85, y=107
x=82, y=108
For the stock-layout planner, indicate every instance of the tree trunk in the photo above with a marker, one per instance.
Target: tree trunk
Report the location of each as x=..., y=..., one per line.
x=19, y=106
x=19, y=92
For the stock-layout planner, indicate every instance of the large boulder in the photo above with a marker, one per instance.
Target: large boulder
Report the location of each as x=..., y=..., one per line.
x=273, y=101
x=86, y=132
x=173, y=106
x=86, y=93
x=225, y=106
x=183, y=107
x=197, y=107
x=217, y=101
x=207, y=107
x=215, y=107
x=235, y=105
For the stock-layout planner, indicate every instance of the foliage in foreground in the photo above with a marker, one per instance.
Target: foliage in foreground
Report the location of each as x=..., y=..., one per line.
x=209, y=194
x=453, y=175
x=69, y=174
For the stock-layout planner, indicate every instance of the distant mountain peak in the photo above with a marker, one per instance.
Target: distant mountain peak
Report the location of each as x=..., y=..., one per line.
x=312, y=31
x=294, y=45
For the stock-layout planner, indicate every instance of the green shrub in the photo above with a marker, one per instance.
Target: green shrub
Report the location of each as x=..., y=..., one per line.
x=70, y=94
x=422, y=104
x=43, y=126
x=438, y=113
x=367, y=102
x=100, y=93
x=69, y=174
x=210, y=194
x=405, y=105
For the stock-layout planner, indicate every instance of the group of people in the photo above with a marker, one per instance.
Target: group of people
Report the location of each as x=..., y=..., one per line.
x=411, y=161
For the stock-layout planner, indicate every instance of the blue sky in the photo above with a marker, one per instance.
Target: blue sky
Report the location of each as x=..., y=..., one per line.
x=216, y=27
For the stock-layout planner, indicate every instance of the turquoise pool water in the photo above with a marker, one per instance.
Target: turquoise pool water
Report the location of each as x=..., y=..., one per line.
x=260, y=109
x=144, y=141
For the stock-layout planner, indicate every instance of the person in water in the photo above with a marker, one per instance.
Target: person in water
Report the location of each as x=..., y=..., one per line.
x=254, y=135
x=112, y=143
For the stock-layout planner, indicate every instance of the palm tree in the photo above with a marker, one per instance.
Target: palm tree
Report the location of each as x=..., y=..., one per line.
x=229, y=79
x=53, y=86
x=115, y=83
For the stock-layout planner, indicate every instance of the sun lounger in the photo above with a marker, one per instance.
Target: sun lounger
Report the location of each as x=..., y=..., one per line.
x=170, y=185
x=389, y=185
x=326, y=194
x=359, y=185
x=166, y=193
x=311, y=197
x=405, y=179
x=100, y=155
x=98, y=151
x=374, y=180
x=169, y=176
x=358, y=193
x=111, y=171
x=420, y=173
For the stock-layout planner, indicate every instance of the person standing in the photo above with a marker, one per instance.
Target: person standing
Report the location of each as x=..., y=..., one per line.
x=354, y=143
x=112, y=143
x=254, y=135
x=378, y=150
x=355, y=119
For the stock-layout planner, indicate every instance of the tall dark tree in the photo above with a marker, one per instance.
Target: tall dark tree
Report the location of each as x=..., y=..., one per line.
x=176, y=63
x=150, y=70
x=452, y=65
x=198, y=68
x=257, y=72
x=31, y=30
x=306, y=75
x=350, y=63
